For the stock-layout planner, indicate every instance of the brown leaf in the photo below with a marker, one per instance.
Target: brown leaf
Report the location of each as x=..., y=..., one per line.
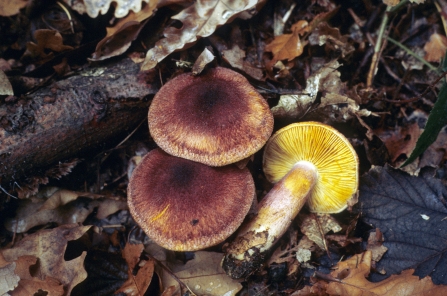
x=324, y=34
x=199, y=20
x=47, y=39
x=49, y=246
x=117, y=43
x=11, y=7
x=136, y=284
x=400, y=140
x=435, y=48
x=351, y=281
x=391, y=2
x=203, y=275
x=288, y=46
x=375, y=245
x=235, y=57
x=140, y=16
x=29, y=285
x=62, y=207
x=315, y=228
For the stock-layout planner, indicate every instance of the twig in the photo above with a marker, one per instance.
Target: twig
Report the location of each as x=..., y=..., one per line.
x=179, y=281
x=430, y=87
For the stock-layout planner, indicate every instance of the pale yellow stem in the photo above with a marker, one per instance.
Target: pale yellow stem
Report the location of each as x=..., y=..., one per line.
x=276, y=212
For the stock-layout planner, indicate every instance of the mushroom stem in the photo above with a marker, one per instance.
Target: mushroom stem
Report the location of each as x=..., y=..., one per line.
x=276, y=212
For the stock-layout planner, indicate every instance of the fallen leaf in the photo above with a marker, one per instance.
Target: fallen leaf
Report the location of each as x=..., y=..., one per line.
x=30, y=285
x=315, y=227
x=199, y=20
x=5, y=85
x=326, y=35
x=350, y=279
x=399, y=140
x=325, y=81
x=8, y=279
x=391, y=2
x=204, y=59
x=94, y=7
x=11, y=7
x=394, y=201
x=304, y=251
x=436, y=152
x=119, y=42
x=147, y=11
x=46, y=39
x=203, y=275
x=49, y=245
x=288, y=46
x=136, y=284
x=62, y=207
x=375, y=245
x=435, y=48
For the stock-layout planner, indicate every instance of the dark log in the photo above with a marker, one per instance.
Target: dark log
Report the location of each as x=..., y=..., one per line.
x=71, y=116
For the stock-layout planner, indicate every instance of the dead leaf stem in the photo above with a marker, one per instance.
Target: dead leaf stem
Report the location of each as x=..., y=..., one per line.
x=378, y=48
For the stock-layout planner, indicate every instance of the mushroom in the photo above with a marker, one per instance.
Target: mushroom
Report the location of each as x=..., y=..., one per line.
x=310, y=162
x=216, y=119
x=184, y=205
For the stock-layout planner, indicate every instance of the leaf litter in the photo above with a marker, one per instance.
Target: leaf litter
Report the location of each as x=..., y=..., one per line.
x=394, y=201
x=302, y=66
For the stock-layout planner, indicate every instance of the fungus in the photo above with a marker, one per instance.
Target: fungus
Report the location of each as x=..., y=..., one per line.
x=184, y=205
x=310, y=162
x=216, y=118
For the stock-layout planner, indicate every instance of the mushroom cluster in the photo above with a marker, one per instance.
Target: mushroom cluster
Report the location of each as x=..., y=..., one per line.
x=309, y=162
x=190, y=195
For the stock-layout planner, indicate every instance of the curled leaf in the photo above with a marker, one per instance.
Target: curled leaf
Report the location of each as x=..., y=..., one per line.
x=199, y=20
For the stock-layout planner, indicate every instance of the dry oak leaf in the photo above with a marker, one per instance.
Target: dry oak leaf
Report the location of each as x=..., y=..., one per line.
x=120, y=37
x=8, y=279
x=94, y=7
x=46, y=39
x=435, y=48
x=29, y=284
x=11, y=7
x=203, y=275
x=400, y=140
x=288, y=46
x=62, y=207
x=199, y=20
x=351, y=281
x=136, y=284
x=49, y=247
x=315, y=227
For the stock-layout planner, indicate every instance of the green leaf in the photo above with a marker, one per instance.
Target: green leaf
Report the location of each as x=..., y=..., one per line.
x=436, y=121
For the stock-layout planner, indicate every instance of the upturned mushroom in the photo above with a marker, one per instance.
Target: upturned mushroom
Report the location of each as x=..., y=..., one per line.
x=216, y=118
x=184, y=205
x=309, y=162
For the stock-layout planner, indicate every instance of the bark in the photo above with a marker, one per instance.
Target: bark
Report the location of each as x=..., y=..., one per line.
x=70, y=117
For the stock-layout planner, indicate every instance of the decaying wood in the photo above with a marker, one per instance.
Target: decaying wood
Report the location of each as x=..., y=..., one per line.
x=70, y=117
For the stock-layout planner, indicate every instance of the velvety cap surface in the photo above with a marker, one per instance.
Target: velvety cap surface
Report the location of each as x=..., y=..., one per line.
x=184, y=205
x=216, y=118
x=328, y=150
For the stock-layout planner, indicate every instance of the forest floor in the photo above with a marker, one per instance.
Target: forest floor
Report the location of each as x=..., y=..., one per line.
x=76, y=81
